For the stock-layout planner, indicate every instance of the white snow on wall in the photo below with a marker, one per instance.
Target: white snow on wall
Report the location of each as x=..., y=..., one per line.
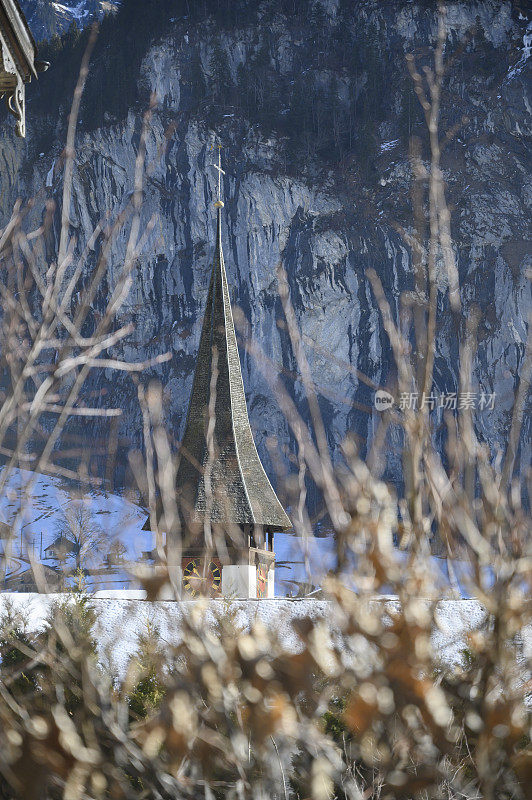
x=121, y=619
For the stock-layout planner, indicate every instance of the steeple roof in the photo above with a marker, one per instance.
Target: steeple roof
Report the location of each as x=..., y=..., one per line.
x=240, y=492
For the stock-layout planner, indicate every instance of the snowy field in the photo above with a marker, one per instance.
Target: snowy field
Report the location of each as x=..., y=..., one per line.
x=45, y=499
x=121, y=620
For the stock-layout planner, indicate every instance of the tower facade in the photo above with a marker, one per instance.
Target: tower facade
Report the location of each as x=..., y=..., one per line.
x=228, y=509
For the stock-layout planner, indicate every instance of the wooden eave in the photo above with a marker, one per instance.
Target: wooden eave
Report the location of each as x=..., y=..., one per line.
x=20, y=40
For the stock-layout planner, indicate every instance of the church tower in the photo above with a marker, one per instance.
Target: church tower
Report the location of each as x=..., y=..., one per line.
x=228, y=508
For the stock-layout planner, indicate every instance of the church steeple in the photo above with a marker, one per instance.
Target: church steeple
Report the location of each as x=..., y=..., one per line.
x=238, y=490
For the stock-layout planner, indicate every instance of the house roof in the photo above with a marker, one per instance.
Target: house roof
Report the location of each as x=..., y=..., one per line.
x=63, y=542
x=240, y=492
x=18, y=60
x=26, y=579
x=20, y=40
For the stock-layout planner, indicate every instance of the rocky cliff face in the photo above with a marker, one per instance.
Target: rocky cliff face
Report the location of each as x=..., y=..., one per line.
x=326, y=219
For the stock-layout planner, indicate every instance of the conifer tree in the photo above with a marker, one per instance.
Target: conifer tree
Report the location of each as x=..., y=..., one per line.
x=17, y=672
x=197, y=78
x=220, y=74
x=70, y=641
x=149, y=689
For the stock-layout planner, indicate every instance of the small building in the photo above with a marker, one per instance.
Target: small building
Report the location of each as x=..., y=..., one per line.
x=60, y=549
x=18, y=60
x=25, y=581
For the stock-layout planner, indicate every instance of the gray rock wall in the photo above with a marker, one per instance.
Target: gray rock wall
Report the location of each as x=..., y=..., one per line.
x=326, y=226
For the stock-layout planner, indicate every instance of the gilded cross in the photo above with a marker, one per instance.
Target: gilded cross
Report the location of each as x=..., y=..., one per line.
x=221, y=172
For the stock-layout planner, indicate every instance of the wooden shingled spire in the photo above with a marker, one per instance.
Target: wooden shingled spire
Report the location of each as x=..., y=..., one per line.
x=220, y=473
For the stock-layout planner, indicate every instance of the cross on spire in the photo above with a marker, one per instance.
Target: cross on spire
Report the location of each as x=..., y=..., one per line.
x=218, y=166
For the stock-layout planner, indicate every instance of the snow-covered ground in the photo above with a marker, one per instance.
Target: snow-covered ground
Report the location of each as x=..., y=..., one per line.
x=121, y=620
x=44, y=500
x=47, y=18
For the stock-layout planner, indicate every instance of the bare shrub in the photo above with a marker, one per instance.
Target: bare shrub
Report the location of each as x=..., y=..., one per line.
x=370, y=712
